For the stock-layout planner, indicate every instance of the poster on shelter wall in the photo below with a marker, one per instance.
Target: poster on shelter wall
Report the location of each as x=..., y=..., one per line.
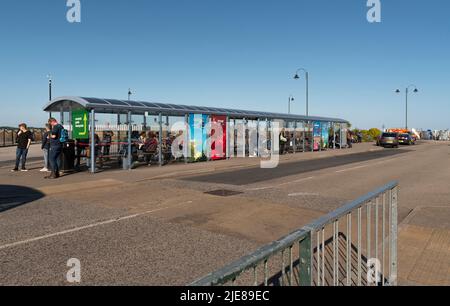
x=317, y=135
x=198, y=135
x=325, y=135
x=218, y=144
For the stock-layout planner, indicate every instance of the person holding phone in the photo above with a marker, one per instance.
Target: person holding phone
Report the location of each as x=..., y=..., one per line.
x=23, y=140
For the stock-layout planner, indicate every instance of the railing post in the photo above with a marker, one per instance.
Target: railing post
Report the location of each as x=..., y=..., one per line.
x=394, y=236
x=306, y=254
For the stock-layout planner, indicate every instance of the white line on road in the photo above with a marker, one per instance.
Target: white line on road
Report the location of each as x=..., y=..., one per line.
x=282, y=184
x=370, y=164
x=303, y=194
x=353, y=168
x=77, y=229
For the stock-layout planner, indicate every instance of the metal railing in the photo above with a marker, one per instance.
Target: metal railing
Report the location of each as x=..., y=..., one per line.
x=355, y=245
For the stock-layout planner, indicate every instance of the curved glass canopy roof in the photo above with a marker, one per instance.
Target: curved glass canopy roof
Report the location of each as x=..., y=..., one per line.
x=113, y=106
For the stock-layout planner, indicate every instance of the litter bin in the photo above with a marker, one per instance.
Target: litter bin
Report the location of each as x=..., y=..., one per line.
x=68, y=156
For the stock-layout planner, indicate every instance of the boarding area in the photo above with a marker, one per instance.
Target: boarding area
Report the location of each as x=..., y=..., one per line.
x=176, y=224
x=132, y=134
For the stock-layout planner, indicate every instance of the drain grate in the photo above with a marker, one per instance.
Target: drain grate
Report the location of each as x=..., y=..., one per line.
x=223, y=193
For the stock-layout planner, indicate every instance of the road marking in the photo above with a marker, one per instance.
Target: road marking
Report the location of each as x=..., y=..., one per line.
x=350, y=169
x=77, y=229
x=301, y=194
x=370, y=164
x=282, y=184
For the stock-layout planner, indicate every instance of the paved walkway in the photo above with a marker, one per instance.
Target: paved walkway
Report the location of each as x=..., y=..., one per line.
x=157, y=226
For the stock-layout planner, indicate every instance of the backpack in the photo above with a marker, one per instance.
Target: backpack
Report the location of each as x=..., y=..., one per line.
x=64, y=136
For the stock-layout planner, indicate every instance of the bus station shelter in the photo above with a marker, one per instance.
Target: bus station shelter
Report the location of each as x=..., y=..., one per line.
x=79, y=115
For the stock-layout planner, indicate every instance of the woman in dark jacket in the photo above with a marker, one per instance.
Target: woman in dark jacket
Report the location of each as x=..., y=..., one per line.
x=46, y=148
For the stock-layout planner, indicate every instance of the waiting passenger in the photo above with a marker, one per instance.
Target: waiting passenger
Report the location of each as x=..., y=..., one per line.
x=142, y=140
x=150, y=147
x=107, y=140
x=283, y=141
x=45, y=146
x=82, y=146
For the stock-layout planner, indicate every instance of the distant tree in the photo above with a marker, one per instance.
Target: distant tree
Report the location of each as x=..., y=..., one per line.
x=374, y=133
x=367, y=135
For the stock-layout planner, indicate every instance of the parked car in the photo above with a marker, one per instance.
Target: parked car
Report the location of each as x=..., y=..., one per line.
x=389, y=140
x=406, y=139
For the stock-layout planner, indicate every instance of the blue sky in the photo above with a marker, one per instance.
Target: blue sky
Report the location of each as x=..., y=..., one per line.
x=231, y=53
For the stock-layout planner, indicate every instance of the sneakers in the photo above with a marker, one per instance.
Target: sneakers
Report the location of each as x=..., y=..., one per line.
x=44, y=170
x=17, y=170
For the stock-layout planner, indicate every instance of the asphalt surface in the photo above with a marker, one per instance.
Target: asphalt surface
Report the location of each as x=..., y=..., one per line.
x=138, y=229
x=257, y=174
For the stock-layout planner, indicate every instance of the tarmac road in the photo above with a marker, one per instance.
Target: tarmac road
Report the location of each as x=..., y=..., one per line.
x=129, y=228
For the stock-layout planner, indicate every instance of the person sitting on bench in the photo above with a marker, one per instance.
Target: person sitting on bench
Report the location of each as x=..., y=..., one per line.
x=150, y=147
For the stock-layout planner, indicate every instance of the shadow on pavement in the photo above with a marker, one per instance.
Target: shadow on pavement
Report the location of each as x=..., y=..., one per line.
x=12, y=196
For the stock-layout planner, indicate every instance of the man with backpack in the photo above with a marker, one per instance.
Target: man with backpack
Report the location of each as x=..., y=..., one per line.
x=58, y=136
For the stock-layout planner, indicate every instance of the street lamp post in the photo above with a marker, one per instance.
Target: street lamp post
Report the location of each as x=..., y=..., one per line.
x=296, y=77
x=129, y=94
x=291, y=99
x=49, y=77
x=406, y=100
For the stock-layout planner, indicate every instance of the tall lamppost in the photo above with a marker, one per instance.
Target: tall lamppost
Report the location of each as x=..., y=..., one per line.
x=129, y=94
x=291, y=99
x=415, y=90
x=49, y=77
x=297, y=77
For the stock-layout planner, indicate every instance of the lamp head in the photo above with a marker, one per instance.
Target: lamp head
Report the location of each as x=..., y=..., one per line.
x=397, y=91
x=296, y=77
x=416, y=90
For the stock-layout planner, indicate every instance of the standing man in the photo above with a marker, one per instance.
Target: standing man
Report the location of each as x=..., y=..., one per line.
x=55, y=148
x=24, y=138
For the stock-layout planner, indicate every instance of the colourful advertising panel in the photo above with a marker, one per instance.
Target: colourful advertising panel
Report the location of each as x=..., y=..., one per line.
x=325, y=135
x=317, y=135
x=220, y=142
x=198, y=135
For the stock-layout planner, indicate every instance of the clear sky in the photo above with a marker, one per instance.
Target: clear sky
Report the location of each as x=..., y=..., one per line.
x=231, y=53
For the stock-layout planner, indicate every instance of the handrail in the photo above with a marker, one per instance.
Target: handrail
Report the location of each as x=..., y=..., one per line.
x=231, y=271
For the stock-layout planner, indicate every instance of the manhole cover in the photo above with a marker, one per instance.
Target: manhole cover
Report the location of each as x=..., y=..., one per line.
x=223, y=193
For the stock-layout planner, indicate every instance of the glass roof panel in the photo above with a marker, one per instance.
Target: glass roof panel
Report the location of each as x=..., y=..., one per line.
x=205, y=109
x=152, y=105
x=96, y=101
x=117, y=102
x=134, y=103
x=180, y=107
x=161, y=105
